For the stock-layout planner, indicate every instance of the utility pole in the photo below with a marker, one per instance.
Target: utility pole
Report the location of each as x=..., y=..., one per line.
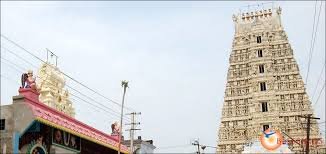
x=196, y=143
x=293, y=140
x=308, y=117
x=124, y=84
x=132, y=129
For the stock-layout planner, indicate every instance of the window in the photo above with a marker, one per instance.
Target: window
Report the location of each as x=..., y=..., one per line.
x=265, y=127
x=260, y=53
x=261, y=69
x=237, y=102
x=258, y=39
x=286, y=119
x=262, y=86
x=2, y=124
x=264, y=107
x=291, y=96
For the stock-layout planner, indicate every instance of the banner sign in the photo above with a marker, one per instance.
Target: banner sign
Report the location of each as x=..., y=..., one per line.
x=65, y=139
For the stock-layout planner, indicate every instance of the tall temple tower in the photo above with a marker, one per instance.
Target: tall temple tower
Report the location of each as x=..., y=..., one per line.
x=264, y=87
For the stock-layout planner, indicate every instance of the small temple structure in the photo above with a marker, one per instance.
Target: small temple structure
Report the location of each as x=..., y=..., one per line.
x=41, y=120
x=51, y=88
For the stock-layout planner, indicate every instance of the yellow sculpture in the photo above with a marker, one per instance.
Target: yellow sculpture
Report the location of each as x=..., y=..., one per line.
x=51, y=88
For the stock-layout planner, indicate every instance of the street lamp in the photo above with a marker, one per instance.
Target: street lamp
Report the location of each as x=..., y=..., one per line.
x=124, y=84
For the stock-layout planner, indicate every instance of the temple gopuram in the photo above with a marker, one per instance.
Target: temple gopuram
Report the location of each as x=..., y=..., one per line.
x=264, y=89
x=41, y=120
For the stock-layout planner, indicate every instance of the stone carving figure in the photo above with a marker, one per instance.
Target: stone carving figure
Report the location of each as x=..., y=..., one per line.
x=115, y=128
x=28, y=81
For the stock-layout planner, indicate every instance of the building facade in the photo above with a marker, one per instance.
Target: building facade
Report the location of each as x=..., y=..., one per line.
x=41, y=120
x=264, y=88
x=141, y=146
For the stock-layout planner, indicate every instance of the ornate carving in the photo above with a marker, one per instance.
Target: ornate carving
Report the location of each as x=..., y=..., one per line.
x=51, y=88
x=243, y=118
x=28, y=81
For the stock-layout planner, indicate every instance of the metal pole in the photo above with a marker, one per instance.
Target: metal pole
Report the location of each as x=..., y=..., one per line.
x=196, y=142
x=124, y=84
x=308, y=134
x=308, y=117
x=132, y=132
x=198, y=147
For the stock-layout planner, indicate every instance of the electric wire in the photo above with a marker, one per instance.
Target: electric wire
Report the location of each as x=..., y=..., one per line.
x=23, y=59
x=174, y=146
x=313, y=37
x=312, y=43
x=320, y=93
x=9, y=79
x=20, y=70
x=320, y=76
x=68, y=76
x=114, y=112
x=92, y=105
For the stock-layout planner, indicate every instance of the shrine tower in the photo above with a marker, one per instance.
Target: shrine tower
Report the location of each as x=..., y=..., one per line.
x=264, y=87
x=51, y=88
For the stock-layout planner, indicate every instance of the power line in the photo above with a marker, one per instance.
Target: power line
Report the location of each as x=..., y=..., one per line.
x=97, y=111
x=174, y=146
x=320, y=76
x=92, y=105
x=83, y=100
x=313, y=38
x=115, y=112
x=23, y=59
x=320, y=94
x=128, y=108
x=10, y=62
x=95, y=91
x=22, y=48
x=3, y=76
x=322, y=122
x=21, y=71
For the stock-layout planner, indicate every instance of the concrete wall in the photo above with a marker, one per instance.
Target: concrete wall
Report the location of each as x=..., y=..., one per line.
x=6, y=144
x=18, y=117
x=57, y=149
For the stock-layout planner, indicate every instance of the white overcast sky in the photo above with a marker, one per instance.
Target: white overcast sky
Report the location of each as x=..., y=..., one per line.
x=175, y=55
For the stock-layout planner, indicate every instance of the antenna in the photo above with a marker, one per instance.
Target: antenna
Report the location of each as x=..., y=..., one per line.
x=51, y=54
